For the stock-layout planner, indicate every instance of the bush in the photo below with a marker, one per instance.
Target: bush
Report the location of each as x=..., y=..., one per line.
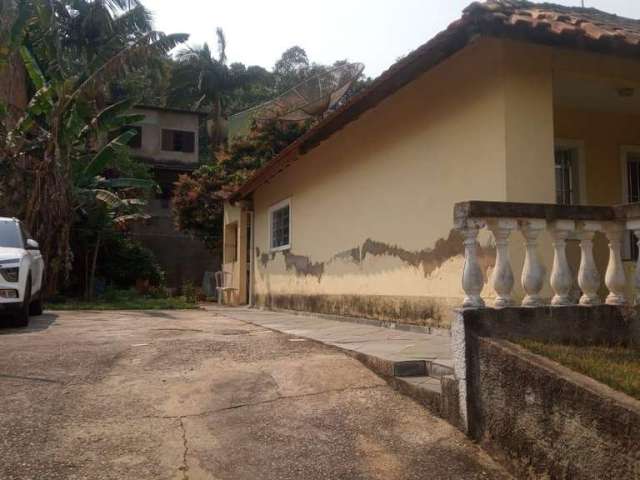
x=190, y=292
x=123, y=261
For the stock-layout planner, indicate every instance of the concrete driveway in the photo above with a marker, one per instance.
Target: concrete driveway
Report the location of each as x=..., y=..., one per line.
x=194, y=395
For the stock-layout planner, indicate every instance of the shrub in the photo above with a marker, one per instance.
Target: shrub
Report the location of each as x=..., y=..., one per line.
x=123, y=261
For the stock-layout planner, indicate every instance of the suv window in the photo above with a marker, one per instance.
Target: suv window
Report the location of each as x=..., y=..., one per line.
x=10, y=235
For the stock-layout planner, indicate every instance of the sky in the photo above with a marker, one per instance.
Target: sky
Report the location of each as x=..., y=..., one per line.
x=374, y=32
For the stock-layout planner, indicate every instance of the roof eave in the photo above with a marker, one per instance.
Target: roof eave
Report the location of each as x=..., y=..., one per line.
x=456, y=37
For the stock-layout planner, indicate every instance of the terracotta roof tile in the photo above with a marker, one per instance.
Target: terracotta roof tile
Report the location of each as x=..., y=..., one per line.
x=544, y=23
x=593, y=24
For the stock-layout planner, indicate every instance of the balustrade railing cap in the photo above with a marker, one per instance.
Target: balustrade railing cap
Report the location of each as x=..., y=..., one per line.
x=549, y=211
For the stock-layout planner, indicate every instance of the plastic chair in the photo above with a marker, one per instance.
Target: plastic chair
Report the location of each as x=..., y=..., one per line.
x=224, y=282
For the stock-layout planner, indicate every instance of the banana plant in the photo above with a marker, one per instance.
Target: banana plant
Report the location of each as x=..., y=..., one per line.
x=47, y=148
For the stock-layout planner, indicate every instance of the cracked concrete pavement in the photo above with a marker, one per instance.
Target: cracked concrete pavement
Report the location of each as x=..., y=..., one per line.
x=190, y=395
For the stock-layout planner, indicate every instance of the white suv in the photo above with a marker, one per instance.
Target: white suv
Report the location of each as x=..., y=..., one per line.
x=21, y=272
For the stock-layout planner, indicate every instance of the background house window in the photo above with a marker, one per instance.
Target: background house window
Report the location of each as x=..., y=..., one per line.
x=231, y=243
x=566, y=176
x=280, y=225
x=178, y=141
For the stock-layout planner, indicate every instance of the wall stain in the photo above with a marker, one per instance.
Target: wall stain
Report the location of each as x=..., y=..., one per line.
x=429, y=259
x=421, y=311
x=303, y=265
x=265, y=258
x=352, y=254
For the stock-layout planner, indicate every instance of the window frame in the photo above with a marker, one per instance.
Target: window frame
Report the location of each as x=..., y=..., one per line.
x=173, y=132
x=580, y=184
x=273, y=208
x=625, y=150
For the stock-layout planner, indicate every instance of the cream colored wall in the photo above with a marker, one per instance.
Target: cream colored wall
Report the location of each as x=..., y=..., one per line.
x=528, y=89
x=393, y=177
x=480, y=126
x=152, y=125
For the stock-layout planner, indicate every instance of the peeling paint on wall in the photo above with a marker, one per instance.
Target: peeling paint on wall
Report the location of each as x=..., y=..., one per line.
x=303, y=265
x=429, y=258
x=353, y=254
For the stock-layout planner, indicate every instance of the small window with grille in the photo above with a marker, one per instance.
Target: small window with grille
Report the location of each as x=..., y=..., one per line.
x=178, y=141
x=566, y=176
x=280, y=226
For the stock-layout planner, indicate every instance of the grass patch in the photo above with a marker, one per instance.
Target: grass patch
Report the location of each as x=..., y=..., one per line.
x=617, y=367
x=125, y=300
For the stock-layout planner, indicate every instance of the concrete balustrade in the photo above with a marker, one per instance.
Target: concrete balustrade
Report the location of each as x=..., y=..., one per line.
x=523, y=222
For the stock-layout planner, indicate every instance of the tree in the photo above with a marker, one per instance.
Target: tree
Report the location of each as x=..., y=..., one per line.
x=292, y=68
x=61, y=123
x=198, y=201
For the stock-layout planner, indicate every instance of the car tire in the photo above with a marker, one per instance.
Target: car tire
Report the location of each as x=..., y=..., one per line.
x=35, y=308
x=22, y=318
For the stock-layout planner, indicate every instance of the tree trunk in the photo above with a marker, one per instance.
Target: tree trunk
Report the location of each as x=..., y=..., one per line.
x=94, y=263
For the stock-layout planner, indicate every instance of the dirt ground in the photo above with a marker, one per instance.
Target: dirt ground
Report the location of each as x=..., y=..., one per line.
x=195, y=395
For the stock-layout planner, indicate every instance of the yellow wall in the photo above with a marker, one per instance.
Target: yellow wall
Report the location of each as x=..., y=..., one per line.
x=480, y=126
x=392, y=177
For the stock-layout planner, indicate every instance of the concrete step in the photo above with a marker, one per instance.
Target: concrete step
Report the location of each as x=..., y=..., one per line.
x=440, y=395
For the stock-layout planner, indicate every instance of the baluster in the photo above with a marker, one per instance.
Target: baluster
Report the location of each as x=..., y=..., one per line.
x=588, y=275
x=533, y=271
x=472, y=276
x=561, y=278
x=615, y=279
x=502, y=276
x=634, y=225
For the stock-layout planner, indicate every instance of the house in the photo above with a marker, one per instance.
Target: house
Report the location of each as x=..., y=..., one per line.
x=513, y=102
x=168, y=140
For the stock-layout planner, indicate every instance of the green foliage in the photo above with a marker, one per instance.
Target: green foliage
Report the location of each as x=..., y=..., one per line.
x=72, y=51
x=190, y=292
x=126, y=261
x=117, y=299
x=198, y=203
x=198, y=198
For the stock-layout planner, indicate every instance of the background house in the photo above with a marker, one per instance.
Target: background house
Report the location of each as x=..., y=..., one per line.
x=515, y=102
x=168, y=140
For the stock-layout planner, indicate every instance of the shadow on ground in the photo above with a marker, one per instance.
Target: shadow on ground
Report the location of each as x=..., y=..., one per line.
x=36, y=324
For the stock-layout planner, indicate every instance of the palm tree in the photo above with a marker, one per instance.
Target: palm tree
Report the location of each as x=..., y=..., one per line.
x=203, y=81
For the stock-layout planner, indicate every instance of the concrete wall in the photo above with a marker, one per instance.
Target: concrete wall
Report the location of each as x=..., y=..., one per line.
x=543, y=419
x=183, y=258
x=152, y=125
